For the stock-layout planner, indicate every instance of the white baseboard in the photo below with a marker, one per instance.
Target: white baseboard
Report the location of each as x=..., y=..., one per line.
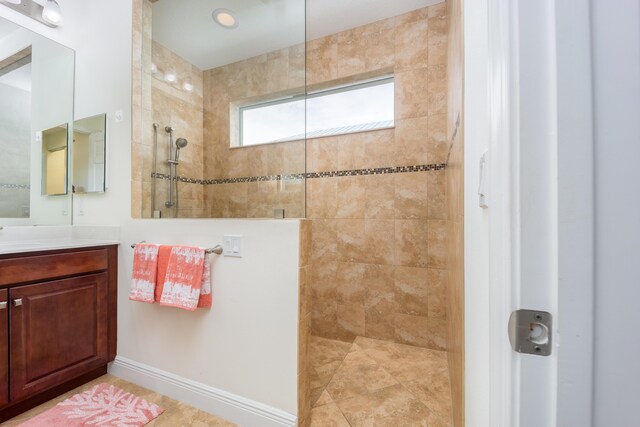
x=234, y=408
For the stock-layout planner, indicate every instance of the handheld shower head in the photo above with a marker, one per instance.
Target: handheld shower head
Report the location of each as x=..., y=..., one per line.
x=181, y=143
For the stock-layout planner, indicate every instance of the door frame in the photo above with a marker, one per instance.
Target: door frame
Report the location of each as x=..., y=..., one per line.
x=573, y=211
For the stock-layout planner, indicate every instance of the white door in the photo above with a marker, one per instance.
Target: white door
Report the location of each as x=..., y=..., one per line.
x=541, y=208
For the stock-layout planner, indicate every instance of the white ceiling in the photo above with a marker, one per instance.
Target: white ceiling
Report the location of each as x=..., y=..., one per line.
x=186, y=26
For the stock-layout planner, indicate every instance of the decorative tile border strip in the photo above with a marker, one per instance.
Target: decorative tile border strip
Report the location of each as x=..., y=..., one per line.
x=16, y=186
x=378, y=171
x=308, y=175
x=177, y=178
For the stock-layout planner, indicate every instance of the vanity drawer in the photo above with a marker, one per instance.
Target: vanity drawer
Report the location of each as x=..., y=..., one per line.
x=45, y=267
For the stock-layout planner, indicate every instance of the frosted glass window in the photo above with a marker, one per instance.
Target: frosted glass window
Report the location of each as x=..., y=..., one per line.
x=357, y=107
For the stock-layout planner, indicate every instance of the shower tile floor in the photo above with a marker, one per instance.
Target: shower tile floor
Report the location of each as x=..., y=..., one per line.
x=377, y=383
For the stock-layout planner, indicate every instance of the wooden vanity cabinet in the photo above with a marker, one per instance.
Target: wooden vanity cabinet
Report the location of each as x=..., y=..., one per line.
x=57, y=323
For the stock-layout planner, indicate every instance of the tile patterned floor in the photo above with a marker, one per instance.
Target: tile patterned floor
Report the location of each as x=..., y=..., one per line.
x=176, y=414
x=377, y=383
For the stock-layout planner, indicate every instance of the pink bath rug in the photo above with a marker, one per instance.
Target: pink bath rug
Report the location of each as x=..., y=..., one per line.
x=102, y=405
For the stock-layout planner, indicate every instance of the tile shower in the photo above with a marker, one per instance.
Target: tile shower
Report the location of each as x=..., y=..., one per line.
x=377, y=271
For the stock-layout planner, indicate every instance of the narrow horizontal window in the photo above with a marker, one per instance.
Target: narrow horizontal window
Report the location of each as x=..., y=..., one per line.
x=341, y=110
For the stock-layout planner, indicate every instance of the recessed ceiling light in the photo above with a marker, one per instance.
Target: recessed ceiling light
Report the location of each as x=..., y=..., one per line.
x=225, y=18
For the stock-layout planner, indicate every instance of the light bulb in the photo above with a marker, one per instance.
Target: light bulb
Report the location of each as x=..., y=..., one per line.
x=170, y=77
x=52, y=14
x=187, y=86
x=154, y=68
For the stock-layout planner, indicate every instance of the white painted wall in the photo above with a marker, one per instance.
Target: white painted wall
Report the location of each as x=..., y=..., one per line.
x=616, y=73
x=246, y=344
x=575, y=213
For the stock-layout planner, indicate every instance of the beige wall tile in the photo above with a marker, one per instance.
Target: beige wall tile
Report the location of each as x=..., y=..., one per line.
x=412, y=89
x=351, y=151
x=322, y=154
x=351, y=197
x=437, y=293
x=411, y=290
x=323, y=279
x=379, y=149
x=350, y=321
x=322, y=61
x=322, y=196
x=324, y=317
x=411, y=195
x=379, y=196
x=351, y=283
x=411, y=245
x=437, y=236
x=437, y=195
x=324, y=240
x=438, y=144
x=377, y=242
x=436, y=89
x=412, y=47
x=380, y=306
x=421, y=331
x=411, y=141
x=351, y=239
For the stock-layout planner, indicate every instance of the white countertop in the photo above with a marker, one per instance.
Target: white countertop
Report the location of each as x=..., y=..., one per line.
x=50, y=244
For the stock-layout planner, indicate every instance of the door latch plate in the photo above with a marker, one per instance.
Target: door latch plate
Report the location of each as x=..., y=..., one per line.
x=530, y=332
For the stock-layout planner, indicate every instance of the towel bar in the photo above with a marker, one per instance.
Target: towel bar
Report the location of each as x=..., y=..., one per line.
x=217, y=249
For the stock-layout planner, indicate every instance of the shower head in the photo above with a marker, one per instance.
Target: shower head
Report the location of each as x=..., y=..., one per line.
x=181, y=143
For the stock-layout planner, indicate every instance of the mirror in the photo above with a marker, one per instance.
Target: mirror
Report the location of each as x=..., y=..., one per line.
x=36, y=104
x=89, y=144
x=54, y=161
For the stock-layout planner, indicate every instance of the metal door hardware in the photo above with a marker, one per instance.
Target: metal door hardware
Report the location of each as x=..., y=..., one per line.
x=17, y=302
x=3, y=305
x=530, y=332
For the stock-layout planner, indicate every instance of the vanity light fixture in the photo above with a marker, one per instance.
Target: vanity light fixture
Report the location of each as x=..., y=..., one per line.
x=52, y=13
x=49, y=14
x=225, y=18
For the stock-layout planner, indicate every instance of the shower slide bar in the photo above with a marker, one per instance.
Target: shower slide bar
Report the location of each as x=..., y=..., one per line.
x=217, y=249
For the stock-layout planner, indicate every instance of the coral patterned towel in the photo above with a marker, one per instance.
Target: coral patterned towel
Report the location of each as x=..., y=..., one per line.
x=183, y=279
x=179, y=267
x=102, y=405
x=145, y=261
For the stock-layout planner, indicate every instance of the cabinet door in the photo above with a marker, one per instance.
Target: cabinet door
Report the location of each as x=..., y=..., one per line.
x=58, y=331
x=4, y=348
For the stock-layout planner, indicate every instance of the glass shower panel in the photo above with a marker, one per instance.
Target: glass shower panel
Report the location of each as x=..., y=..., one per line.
x=203, y=63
